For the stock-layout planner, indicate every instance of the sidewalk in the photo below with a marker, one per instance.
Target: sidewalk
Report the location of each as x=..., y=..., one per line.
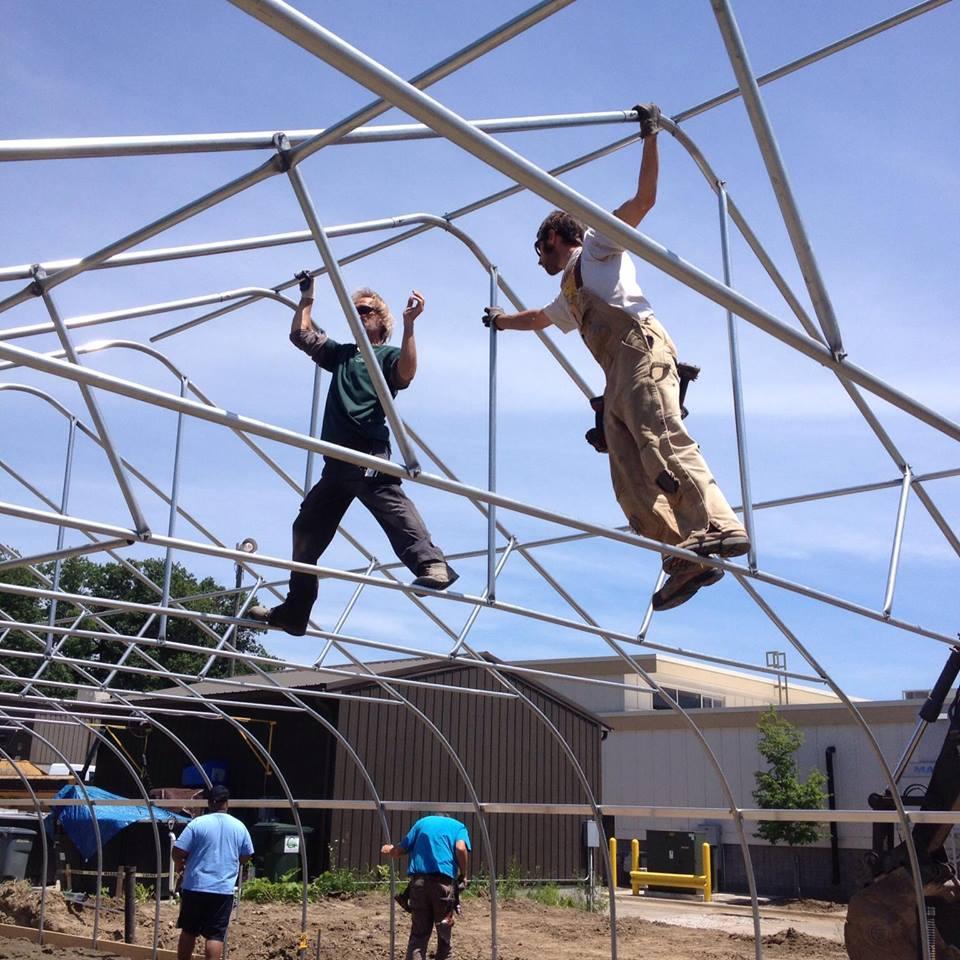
x=730, y=913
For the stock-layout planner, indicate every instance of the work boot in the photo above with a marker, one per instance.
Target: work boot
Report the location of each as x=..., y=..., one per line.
x=717, y=543
x=435, y=574
x=680, y=587
x=279, y=617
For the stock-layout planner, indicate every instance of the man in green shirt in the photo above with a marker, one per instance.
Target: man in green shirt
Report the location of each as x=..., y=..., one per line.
x=353, y=417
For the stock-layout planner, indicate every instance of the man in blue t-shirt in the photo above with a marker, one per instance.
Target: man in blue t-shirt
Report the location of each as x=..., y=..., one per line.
x=209, y=853
x=439, y=851
x=353, y=417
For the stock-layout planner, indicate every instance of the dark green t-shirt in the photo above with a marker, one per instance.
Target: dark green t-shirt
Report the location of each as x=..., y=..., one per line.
x=353, y=416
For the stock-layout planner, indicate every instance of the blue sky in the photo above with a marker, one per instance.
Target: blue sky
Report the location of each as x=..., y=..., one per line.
x=869, y=138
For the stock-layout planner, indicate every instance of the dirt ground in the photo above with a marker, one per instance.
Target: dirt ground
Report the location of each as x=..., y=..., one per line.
x=358, y=928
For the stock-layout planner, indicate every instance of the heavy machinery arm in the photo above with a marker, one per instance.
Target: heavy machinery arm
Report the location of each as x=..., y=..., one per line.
x=882, y=917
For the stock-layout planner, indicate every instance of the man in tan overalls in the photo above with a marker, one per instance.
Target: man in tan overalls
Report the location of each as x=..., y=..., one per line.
x=660, y=478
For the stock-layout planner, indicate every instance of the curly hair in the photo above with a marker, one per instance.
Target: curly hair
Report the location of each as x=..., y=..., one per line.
x=568, y=229
x=383, y=311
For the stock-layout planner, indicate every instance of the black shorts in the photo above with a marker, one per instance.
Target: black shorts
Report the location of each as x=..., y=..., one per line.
x=205, y=914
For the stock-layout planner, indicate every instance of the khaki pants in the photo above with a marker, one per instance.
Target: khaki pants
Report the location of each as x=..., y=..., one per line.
x=431, y=901
x=660, y=479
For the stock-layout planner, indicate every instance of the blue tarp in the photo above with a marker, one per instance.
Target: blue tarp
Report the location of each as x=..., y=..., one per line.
x=78, y=826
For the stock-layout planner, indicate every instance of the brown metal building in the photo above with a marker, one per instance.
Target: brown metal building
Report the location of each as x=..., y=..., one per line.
x=506, y=749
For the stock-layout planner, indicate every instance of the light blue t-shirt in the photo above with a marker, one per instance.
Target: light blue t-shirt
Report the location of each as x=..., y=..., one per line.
x=431, y=842
x=214, y=844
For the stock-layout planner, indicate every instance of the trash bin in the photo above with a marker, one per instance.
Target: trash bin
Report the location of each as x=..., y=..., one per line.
x=277, y=850
x=15, y=846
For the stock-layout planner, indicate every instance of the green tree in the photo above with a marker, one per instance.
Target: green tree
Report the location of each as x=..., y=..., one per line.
x=780, y=786
x=115, y=581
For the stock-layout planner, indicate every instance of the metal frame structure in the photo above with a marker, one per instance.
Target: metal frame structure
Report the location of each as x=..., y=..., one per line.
x=288, y=151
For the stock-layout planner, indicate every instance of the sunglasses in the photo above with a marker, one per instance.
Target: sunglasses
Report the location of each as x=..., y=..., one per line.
x=364, y=309
x=542, y=247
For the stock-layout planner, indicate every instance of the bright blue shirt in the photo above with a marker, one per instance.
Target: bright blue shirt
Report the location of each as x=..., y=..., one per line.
x=431, y=842
x=214, y=844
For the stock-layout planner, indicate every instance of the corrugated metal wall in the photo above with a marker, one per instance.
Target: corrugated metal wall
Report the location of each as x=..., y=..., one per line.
x=72, y=741
x=507, y=751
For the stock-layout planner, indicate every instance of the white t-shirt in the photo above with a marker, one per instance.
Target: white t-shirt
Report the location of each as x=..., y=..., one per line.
x=606, y=271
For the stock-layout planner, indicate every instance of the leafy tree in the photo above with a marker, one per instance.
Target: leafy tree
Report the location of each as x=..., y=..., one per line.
x=117, y=582
x=779, y=786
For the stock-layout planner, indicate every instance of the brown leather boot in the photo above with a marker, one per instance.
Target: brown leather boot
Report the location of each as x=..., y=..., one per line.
x=680, y=587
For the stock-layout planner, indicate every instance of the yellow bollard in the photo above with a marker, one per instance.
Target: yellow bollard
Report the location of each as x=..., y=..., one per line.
x=613, y=862
x=707, y=875
x=635, y=867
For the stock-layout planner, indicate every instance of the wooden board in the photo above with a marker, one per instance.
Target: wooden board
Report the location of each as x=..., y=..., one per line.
x=135, y=951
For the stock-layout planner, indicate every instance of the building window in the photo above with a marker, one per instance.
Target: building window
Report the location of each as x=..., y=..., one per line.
x=686, y=698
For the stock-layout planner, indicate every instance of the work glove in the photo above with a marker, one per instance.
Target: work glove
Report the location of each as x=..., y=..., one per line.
x=649, y=116
x=492, y=314
x=306, y=284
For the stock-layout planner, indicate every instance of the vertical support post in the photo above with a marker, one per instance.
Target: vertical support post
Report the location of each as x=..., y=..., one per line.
x=64, y=501
x=139, y=521
x=613, y=862
x=172, y=519
x=707, y=875
x=350, y=311
x=314, y=416
x=897, y=540
x=635, y=867
x=492, y=447
x=130, y=904
x=736, y=378
x=475, y=610
x=777, y=173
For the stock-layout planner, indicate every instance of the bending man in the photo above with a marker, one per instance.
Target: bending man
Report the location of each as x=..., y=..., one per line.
x=439, y=851
x=354, y=418
x=660, y=479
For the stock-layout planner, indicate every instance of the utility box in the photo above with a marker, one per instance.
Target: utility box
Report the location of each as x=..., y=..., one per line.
x=277, y=850
x=15, y=846
x=673, y=851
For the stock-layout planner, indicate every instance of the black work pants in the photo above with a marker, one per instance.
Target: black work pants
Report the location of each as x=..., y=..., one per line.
x=323, y=509
x=432, y=901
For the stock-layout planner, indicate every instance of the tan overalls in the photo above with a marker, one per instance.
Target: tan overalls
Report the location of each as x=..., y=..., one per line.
x=660, y=478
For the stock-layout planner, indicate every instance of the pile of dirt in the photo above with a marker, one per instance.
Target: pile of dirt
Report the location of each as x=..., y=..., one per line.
x=20, y=905
x=359, y=928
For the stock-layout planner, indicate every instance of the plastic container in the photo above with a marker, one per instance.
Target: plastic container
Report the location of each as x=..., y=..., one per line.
x=277, y=850
x=15, y=846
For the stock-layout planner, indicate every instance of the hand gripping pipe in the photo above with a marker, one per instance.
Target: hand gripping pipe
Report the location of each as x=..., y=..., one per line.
x=332, y=49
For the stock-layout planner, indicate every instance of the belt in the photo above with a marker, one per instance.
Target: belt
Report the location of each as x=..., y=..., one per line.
x=432, y=876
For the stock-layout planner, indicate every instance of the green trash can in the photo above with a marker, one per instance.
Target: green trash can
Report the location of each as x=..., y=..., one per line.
x=277, y=850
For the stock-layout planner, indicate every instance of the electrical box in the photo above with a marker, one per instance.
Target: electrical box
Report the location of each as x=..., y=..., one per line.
x=673, y=851
x=591, y=834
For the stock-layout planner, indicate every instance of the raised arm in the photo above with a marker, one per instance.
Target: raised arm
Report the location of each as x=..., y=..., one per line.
x=406, y=368
x=641, y=203
x=303, y=315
